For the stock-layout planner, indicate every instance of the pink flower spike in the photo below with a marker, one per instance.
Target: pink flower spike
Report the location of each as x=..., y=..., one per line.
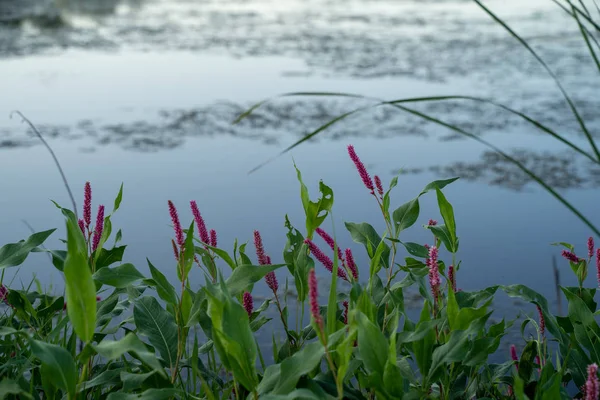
x=351, y=264
x=590, y=247
x=248, y=303
x=176, y=224
x=260, y=250
x=175, y=250
x=98, y=228
x=323, y=259
x=513, y=355
x=360, y=167
x=82, y=226
x=570, y=256
x=592, y=385
x=213, y=238
x=329, y=240
x=432, y=222
x=426, y=246
x=202, y=232
x=598, y=265
x=345, y=314
x=434, y=273
x=378, y=185
x=271, y=280
x=4, y=294
x=313, y=295
x=452, y=278
x=542, y=321
x=87, y=204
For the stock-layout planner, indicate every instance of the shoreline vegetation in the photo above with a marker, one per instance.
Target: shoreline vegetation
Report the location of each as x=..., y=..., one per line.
x=118, y=334
x=147, y=338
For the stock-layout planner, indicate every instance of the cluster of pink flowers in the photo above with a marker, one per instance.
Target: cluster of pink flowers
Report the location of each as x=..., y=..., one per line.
x=264, y=259
x=345, y=314
x=513, y=355
x=542, y=321
x=434, y=273
x=452, y=278
x=324, y=259
x=572, y=257
x=248, y=303
x=591, y=389
x=346, y=258
x=85, y=222
x=313, y=297
x=208, y=238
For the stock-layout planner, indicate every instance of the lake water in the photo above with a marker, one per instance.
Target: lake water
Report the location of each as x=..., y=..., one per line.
x=145, y=92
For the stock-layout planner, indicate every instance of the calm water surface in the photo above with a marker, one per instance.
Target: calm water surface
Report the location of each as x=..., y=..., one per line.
x=145, y=92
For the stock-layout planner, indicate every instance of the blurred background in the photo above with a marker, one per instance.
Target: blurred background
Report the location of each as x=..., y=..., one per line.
x=144, y=92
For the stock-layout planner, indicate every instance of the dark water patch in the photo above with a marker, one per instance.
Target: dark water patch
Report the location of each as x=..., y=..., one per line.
x=561, y=170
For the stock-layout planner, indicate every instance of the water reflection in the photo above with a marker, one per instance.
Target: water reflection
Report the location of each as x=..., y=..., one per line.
x=283, y=121
x=561, y=170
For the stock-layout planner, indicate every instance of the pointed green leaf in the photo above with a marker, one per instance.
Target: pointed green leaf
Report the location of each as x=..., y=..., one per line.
x=165, y=290
x=158, y=326
x=13, y=254
x=79, y=285
x=120, y=277
x=58, y=365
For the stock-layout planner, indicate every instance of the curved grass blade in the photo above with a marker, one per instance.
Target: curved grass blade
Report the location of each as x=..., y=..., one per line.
x=549, y=71
x=586, y=38
x=62, y=174
x=309, y=136
x=464, y=133
x=381, y=102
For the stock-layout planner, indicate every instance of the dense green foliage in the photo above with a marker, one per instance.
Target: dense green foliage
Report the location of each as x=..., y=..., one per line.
x=148, y=339
x=119, y=334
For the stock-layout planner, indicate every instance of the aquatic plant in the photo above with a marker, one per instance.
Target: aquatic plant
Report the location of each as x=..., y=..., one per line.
x=147, y=338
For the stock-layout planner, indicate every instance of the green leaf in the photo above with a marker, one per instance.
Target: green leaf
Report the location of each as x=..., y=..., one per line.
x=232, y=334
x=9, y=387
x=406, y=215
x=441, y=232
x=113, y=350
x=299, y=364
x=415, y=249
x=58, y=365
x=133, y=381
x=150, y=394
x=119, y=277
x=315, y=212
x=246, y=275
x=372, y=345
x=109, y=377
x=448, y=215
x=79, y=284
x=165, y=290
x=109, y=257
x=118, y=199
x=159, y=326
x=438, y=185
x=424, y=339
x=58, y=259
x=367, y=235
x=13, y=254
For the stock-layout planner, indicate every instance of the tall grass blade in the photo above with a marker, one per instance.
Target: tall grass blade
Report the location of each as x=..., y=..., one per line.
x=382, y=102
x=62, y=174
x=586, y=38
x=554, y=77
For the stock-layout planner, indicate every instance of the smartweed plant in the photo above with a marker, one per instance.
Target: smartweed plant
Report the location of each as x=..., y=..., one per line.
x=118, y=334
